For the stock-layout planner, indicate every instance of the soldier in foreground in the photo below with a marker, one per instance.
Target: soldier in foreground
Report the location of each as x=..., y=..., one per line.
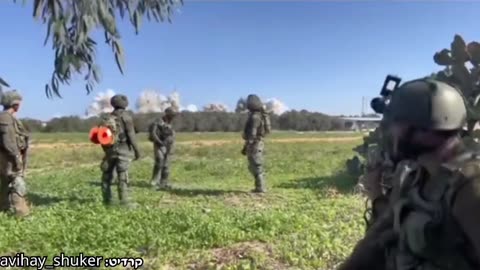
x=162, y=135
x=256, y=127
x=119, y=154
x=428, y=222
x=13, y=146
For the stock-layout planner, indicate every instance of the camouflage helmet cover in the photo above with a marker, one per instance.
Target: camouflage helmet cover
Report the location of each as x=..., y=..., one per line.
x=254, y=103
x=170, y=112
x=10, y=98
x=428, y=104
x=119, y=101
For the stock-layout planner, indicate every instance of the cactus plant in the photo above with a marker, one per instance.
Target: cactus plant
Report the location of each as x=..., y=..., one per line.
x=456, y=61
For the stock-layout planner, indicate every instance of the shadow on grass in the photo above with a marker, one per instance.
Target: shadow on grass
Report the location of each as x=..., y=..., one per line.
x=139, y=184
x=203, y=192
x=341, y=181
x=44, y=200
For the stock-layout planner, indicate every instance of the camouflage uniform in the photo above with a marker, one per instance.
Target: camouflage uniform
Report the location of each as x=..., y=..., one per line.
x=162, y=135
x=254, y=144
x=13, y=144
x=119, y=155
x=429, y=221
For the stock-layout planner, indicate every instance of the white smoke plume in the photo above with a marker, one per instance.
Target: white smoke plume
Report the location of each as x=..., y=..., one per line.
x=174, y=100
x=100, y=104
x=191, y=108
x=152, y=101
x=215, y=107
x=275, y=106
x=241, y=105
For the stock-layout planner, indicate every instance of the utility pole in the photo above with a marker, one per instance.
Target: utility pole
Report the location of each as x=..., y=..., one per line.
x=363, y=107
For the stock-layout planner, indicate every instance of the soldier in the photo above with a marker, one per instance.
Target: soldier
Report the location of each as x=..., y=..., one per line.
x=162, y=135
x=13, y=146
x=428, y=222
x=118, y=156
x=374, y=182
x=256, y=127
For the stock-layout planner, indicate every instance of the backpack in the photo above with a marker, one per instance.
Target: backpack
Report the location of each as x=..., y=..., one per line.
x=266, y=127
x=115, y=125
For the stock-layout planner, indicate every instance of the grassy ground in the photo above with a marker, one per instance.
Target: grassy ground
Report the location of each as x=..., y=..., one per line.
x=308, y=220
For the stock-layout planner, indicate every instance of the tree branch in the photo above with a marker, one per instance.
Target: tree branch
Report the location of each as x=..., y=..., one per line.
x=69, y=27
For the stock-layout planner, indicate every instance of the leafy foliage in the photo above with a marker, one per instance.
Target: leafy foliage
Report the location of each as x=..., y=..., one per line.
x=201, y=122
x=70, y=24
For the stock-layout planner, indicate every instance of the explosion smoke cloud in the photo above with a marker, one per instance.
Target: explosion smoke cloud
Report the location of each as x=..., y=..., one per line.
x=152, y=101
x=191, y=108
x=215, y=107
x=100, y=104
x=276, y=106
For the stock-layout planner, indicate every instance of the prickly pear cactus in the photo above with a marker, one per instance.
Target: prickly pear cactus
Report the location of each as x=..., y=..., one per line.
x=462, y=68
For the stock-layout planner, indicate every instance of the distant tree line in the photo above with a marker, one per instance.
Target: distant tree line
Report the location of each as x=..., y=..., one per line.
x=199, y=122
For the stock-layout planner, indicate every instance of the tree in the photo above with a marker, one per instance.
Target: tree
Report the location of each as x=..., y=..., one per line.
x=70, y=24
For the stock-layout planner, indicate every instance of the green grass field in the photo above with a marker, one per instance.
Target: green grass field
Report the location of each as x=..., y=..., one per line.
x=309, y=219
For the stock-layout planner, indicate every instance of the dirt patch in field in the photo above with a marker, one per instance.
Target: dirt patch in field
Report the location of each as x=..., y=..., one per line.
x=242, y=253
x=57, y=145
x=201, y=143
x=247, y=201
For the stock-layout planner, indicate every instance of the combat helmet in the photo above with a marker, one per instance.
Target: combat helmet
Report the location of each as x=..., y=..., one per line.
x=10, y=98
x=254, y=103
x=170, y=112
x=119, y=101
x=428, y=104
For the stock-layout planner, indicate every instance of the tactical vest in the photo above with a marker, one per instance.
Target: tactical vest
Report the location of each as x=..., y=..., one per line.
x=261, y=129
x=161, y=129
x=21, y=134
x=428, y=238
x=115, y=122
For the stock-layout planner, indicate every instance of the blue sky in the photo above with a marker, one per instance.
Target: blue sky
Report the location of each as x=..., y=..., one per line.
x=319, y=56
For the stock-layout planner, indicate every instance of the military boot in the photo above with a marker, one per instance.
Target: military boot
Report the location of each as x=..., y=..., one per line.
x=123, y=190
x=18, y=205
x=164, y=182
x=17, y=200
x=259, y=184
x=106, y=188
x=156, y=175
